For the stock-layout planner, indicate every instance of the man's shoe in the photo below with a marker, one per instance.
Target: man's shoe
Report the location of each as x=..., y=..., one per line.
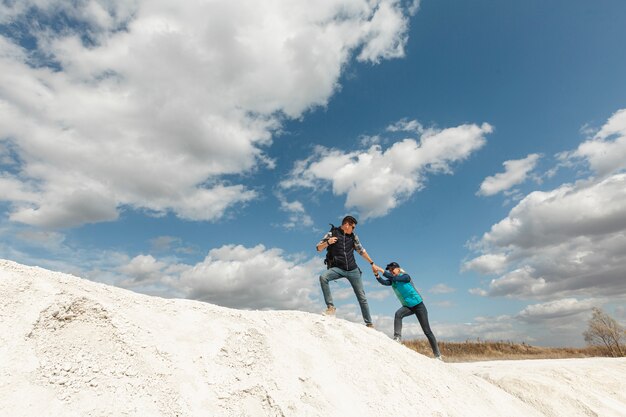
x=397, y=339
x=370, y=325
x=439, y=358
x=330, y=311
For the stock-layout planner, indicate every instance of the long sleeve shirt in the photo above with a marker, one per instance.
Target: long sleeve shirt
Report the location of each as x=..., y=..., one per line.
x=403, y=288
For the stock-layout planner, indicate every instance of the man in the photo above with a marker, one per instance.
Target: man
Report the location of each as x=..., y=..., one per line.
x=340, y=243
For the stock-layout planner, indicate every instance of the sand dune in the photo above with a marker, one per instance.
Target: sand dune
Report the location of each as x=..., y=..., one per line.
x=72, y=347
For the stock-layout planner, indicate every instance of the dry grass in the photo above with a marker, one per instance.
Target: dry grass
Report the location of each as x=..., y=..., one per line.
x=470, y=351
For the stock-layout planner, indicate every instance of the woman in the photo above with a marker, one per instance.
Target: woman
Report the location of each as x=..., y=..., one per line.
x=411, y=300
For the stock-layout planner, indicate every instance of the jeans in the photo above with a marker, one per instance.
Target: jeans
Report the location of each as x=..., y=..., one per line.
x=422, y=316
x=354, y=277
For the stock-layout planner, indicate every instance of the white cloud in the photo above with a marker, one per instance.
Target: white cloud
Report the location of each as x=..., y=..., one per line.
x=441, y=289
x=343, y=293
x=556, y=310
x=143, y=268
x=515, y=172
x=164, y=243
x=173, y=244
x=65, y=209
x=297, y=213
x=551, y=324
x=54, y=250
x=386, y=32
x=149, y=104
x=522, y=282
x=490, y=263
x=376, y=180
x=46, y=239
x=232, y=276
x=556, y=323
x=606, y=151
x=15, y=190
x=256, y=277
x=367, y=141
x=444, y=304
x=570, y=211
x=376, y=294
x=569, y=241
x=405, y=125
x=483, y=328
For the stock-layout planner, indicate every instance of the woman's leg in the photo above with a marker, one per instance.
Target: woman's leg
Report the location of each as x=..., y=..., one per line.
x=422, y=316
x=397, y=321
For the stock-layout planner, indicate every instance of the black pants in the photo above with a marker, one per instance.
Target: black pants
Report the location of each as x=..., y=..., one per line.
x=422, y=316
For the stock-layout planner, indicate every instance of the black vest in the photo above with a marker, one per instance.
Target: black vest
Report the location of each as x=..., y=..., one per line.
x=341, y=253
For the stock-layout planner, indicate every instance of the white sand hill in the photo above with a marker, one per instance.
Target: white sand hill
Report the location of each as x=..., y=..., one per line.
x=72, y=347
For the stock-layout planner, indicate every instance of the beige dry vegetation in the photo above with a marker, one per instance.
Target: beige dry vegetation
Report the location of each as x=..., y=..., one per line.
x=470, y=351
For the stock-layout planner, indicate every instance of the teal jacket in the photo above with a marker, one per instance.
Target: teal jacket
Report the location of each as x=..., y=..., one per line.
x=403, y=287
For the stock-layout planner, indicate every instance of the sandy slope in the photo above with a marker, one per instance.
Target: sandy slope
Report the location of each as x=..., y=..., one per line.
x=71, y=347
x=565, y=387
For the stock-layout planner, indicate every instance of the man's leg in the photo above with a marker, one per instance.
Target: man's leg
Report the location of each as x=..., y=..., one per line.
x=401, y=313
x=422, y=316
x=327, y=276
x=354, y=277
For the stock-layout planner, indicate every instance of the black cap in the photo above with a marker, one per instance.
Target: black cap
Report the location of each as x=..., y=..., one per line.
x=392, y=265
x=349, y=219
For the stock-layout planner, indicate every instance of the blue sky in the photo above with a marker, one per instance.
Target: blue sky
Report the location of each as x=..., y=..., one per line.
x=200, y=150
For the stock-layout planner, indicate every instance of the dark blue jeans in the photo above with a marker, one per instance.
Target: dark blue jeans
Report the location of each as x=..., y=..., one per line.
x=354, y=278
x=422, y=316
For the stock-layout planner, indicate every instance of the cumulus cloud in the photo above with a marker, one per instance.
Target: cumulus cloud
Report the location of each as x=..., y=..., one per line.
x=605, y=152
x=490, y=263
x=515, y=172
x=172, y=244
x=405, y=125
x=164, y=243
x=444, y=304
x=233, y=276
x=298, y=216
x=441, y=289
x=142, y=269
x=556, y=310
x=46, y=239
x=153, y=104
x=376, y=295
x=367, y=141
x=570, y=240
x=375, y=180
x=256, y=277
x=565, y=242
x=483, y=328
x=559, y=322
x=570, y=211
